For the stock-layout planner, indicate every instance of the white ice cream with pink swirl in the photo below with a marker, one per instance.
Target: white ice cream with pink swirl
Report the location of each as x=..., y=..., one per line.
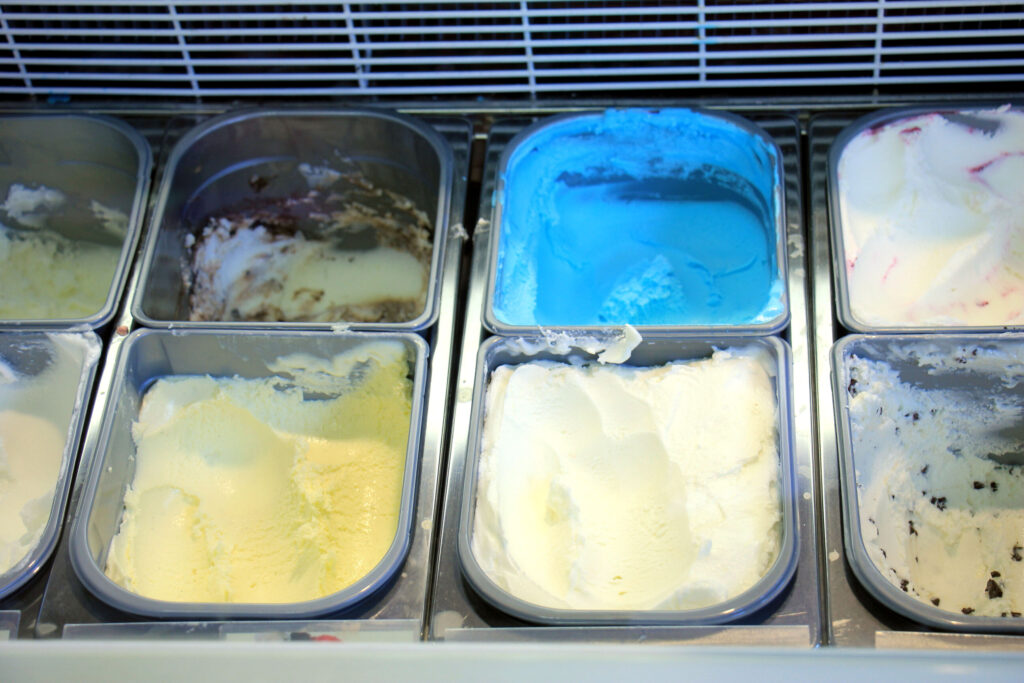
x=932, y=220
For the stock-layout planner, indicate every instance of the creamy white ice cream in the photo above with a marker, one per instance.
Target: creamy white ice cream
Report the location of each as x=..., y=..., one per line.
x=940, y=519
x=35, y=419
x=626, y=488
x=932, y=220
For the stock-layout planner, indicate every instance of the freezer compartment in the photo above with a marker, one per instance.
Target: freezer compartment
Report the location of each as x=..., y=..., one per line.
x=665, y=518
x=459, y=612
x=73, y=190
x=925, y=218
x=671, y=220
x=930, y=446
x=855, y=617
x=363, y=195
x=302, y=362
x=45, y=384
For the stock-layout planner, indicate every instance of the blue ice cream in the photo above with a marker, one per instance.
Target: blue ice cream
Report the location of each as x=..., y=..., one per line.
x=645, y=217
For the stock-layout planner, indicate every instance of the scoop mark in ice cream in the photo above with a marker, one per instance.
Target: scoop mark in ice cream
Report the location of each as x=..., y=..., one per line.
x=940, y=519
x=251, y=491
x=932, y=220
x=649, y=218
x=629, y=488
x=320, y=257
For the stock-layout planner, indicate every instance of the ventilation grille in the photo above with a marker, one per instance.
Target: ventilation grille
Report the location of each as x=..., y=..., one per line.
x=440, y=50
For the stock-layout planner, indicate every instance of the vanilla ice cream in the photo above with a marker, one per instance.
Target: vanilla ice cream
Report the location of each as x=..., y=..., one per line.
x=941, y=508
x=37, y=403
x=46, y=275
x=359, y=264
x=268, y=490
x=931, y=212
x=605, y=487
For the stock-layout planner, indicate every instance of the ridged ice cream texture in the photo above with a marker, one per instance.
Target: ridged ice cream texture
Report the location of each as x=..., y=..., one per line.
x=628, y=488
x=244, y=491
x=45, y=275
x=932, y=221
x=662, y=217
x=940, y=518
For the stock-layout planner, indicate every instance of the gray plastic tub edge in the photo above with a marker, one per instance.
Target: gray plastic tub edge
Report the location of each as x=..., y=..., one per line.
x=874, y=346
x=30, y=565
x=652, y=351
x=73, y=174
x=162, y=257
x=773, y=326
x=842, y=291
x=148, y=354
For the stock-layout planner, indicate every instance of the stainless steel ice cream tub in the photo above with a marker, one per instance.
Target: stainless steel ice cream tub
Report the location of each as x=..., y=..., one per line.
x=73, y=192
x=770, y=355
x=45, y=384
x=670, y=220
x=921, y=211
x=148, y=355
x=350, y=181
x=930, y=463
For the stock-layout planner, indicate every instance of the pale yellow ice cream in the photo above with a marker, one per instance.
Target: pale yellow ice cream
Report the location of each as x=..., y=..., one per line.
x=45, y=276
x=244, y=491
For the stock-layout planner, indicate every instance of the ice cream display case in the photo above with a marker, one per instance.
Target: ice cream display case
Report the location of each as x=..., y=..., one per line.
x=791, y=617
x=783, y=240
x=389, y=605
x=884, y=393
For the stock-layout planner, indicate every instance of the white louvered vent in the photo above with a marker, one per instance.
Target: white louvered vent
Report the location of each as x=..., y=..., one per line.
x=193, y=50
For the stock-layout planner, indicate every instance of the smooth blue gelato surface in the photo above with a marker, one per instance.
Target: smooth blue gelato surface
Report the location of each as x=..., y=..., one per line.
x=643, y=217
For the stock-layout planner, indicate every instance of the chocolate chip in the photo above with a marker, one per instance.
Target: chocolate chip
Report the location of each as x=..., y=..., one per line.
x=939, y=502
x=258, y=182
x=913, y=531
x=993, y=590
x=978, y=485
x=1015, y=555
x=967, y=610
x=903, y=585
x=994, y=486
x=1014, y=614
x=924, y=470
x=935, y=601
x=995, y=574
x=851, y=387
x=916, y=416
